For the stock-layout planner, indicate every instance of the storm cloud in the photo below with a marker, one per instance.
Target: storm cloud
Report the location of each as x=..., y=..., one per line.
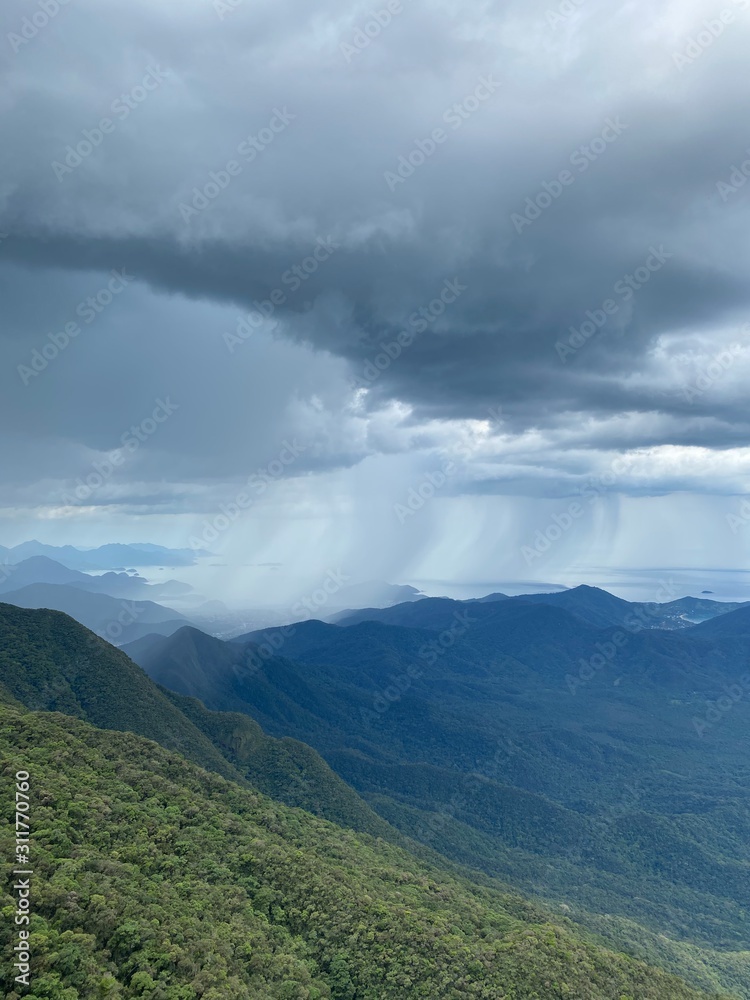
x=508, y=236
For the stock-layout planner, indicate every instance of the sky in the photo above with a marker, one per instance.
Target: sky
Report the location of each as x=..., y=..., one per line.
x=441, y=293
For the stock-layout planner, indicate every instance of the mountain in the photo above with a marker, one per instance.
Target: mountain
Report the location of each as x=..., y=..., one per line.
x=598, y=607
x=229, y=676
x=117, y=620
x=693, y=610
x=590, y=604
x=133, y=588
x=489, y=599
x=442, y=612
x=41, y=569
x=375, y=594
x=112, y=556
x=154, y=878
x=37, y=569
x=595, y=606
x=138, y=648
x=736, y=624
x=48, y=662
x=430, y=612
x=584, y=765
x=199, y=666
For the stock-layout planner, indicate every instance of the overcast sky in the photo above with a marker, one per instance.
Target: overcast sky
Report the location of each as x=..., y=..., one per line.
x=502, y=253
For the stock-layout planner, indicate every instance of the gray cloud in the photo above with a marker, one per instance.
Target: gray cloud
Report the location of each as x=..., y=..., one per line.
x=314, y=137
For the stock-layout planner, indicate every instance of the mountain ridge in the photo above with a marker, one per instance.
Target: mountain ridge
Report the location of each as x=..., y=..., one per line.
x=545, y=712
x=89, y=679
x=162, y=854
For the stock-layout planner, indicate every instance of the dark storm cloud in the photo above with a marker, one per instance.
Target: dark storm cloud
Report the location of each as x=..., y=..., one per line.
x=319, y=138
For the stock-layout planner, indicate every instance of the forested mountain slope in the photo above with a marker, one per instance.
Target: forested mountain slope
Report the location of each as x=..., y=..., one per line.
x=602, y=769
x=154, y=878
x=50, y=662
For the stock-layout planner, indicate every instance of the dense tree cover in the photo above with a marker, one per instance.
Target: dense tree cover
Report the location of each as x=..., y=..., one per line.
x=285, y=769
x=49, y=661
x=155, y=878
x=519, y=747
x=702, y=965
x=563, y=851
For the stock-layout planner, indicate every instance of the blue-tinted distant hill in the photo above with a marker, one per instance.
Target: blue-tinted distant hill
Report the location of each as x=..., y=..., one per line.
x=37, y=569
x=598, y=607
x=736, y=624
x=112, y=556
x=589, y=604
x=119, y=621
x=595, y=607
x=430, y=612
x=41, y=569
